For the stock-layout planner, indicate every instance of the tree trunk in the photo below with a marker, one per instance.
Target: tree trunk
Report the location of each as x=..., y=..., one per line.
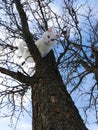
x=53, y=108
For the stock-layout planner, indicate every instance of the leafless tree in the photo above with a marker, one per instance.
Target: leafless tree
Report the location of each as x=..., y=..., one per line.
x=75, y=57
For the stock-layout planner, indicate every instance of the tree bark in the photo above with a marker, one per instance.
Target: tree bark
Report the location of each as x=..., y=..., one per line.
x=53, y=108
x=96, y=66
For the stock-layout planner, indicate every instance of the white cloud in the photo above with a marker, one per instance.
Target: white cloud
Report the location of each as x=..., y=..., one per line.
x=25, y=126
x=93, y=127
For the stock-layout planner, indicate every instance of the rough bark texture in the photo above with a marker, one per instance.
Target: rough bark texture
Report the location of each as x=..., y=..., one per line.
x=96, y=66
x=53, y=108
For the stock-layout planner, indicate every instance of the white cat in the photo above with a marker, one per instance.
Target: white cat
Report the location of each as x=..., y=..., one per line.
x=44, y=44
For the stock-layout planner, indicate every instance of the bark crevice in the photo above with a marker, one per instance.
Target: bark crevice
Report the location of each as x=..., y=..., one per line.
x=53, y=108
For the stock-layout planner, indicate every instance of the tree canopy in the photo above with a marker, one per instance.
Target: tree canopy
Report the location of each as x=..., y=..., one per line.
x=76, y=53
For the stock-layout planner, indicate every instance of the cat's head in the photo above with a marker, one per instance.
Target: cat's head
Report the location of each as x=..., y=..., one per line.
x=49, y=37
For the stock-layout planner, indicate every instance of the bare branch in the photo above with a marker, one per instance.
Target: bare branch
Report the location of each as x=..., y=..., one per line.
x=27, y=35
x=17, y=75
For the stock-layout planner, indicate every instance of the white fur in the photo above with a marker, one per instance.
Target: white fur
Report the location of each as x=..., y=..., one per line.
x=44, y=44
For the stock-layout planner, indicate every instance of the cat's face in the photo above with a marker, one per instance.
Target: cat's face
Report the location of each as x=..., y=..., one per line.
x=50, y=37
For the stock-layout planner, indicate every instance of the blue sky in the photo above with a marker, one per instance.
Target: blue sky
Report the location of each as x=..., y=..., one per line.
x=25, y=122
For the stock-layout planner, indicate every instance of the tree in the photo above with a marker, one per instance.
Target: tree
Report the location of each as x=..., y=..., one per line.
x=52, y=105
x=81, y=57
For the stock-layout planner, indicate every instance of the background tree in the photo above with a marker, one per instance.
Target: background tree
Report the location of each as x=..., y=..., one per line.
x=75, y=57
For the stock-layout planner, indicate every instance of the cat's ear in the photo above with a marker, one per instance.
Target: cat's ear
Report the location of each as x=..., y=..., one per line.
x=50, y=29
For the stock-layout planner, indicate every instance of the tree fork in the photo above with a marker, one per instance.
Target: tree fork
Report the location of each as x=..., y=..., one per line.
x=53, y=108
